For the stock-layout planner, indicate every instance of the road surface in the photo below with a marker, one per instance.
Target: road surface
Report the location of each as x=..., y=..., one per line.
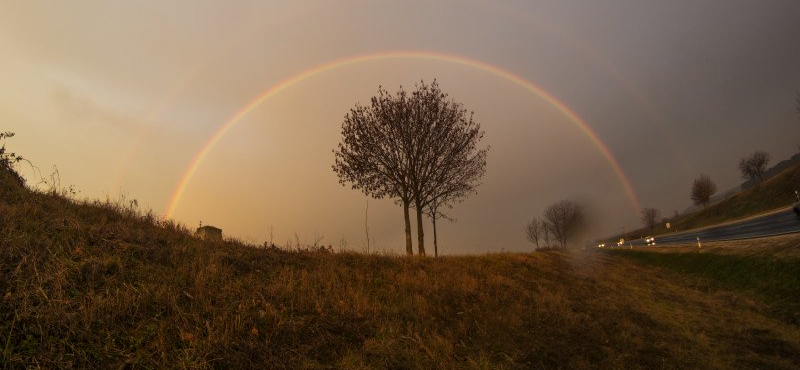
x=783, y=222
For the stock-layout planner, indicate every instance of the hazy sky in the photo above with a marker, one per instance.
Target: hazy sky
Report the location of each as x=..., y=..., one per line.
x=122, y=96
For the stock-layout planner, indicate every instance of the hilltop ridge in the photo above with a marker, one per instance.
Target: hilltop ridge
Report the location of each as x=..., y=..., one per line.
x=95, y=284
x=774, y=193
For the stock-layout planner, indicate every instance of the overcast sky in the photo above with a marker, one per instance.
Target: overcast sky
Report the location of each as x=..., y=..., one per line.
x=121, y=97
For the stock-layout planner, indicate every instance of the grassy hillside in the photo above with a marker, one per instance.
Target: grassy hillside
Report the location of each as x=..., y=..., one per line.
x=774, y=193
x=767, y=269
x=99, y=285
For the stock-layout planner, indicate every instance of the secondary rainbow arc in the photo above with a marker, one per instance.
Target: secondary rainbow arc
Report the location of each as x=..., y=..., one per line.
x=423, y=55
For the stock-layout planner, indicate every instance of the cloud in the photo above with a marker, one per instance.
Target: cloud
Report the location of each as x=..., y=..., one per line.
x=77, y=108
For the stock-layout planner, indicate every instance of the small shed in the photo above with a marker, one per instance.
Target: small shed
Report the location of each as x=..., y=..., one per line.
x=209, y=233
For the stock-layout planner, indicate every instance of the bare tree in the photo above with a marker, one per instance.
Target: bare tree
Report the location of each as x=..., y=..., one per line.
x=797, y=106
x=797, y=103
x=565, y=219
x=702, y=190
x=452, y=190
x=753, y=167
x=446, y=159
x=534, y=230
x=546, y=233
x=366, y=223
x=375, y=154
x=434, y=212
x=650, y=217
x=420, y=148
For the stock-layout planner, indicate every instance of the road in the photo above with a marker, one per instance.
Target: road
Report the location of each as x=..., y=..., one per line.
x=783, y=222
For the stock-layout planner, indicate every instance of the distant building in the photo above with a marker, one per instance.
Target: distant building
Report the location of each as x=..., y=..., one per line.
x=209, y=233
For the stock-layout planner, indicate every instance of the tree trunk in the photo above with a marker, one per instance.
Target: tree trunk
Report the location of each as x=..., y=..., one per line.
x=366, y=224
x=435, y=244
x=409, y=247
x=420, y=231
x=546, y=240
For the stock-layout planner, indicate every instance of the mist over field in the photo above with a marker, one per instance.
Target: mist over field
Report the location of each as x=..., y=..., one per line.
x=125, y=98
x=358, y=184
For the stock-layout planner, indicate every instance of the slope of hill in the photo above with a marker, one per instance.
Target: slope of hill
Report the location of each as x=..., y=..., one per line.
x=100, y=285
x=774, y=170
x=766, y=268
x=772, y=194
x=768, y=174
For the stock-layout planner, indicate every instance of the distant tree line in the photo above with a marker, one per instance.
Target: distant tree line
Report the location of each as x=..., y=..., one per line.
x=419, y=148
x=752, y=168
x=560, y=221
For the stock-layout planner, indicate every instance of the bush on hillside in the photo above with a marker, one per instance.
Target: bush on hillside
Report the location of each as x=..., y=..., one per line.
x=10, y=179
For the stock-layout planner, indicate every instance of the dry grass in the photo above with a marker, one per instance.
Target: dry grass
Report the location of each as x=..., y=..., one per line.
x=101, y=286
x=765, y=268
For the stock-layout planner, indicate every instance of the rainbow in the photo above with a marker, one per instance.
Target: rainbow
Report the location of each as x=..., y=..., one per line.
x=417, y=55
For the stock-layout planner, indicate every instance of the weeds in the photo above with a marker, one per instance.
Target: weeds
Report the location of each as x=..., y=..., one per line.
x=100, y=284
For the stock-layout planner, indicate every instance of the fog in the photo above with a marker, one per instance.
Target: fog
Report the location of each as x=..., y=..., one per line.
x=123, y=96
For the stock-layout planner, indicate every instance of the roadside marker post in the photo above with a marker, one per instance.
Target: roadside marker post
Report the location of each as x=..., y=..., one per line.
x=698, y=243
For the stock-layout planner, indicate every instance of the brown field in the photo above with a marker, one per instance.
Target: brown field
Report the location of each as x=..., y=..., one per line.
x=99, y=285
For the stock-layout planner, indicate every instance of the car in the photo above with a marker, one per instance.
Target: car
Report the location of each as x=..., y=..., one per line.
x=796, y=205
x=650, y=241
